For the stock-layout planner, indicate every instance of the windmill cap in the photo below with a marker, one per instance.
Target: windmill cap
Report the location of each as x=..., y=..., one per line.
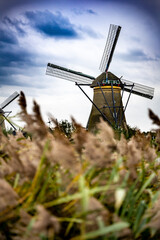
x=103, y=77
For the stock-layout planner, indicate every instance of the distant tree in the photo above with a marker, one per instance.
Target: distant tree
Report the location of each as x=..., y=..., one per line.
x=129, y=132
x=66, y=127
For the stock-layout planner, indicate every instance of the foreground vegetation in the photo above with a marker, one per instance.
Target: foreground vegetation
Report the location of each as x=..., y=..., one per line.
x=80, y=186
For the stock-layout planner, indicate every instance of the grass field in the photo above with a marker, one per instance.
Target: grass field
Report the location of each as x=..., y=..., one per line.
x=81, y=186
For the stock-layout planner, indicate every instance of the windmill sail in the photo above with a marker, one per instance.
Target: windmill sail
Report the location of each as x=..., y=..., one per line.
x=3, y=113
x=9, y=99
x=68, y=74
x=111, y=42
x=138, y=89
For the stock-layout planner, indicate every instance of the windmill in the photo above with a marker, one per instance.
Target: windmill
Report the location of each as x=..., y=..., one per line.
x=4, y=114
x=108, y=88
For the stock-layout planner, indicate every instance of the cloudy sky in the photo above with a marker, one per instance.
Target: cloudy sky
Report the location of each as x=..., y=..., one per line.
x=72, y=34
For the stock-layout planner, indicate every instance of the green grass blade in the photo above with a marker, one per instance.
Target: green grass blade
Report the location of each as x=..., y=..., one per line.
x=139, y=214
x=105, y=230
x=145, y=185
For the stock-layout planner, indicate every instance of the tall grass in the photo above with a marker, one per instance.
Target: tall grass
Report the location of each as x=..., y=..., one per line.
x=82, y=187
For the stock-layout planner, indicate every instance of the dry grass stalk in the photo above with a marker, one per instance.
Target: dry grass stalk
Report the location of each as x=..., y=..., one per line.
x=154, y=117
x=96, y=212
x=80, y=136
x=35, y=123
x=8, y=197
x=43, y=223
x=41, y=181
x=100, y=149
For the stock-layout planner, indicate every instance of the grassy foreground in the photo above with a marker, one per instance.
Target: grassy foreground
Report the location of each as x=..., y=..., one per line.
x=82, y=187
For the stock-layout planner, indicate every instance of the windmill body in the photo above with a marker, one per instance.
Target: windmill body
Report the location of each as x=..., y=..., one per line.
x=108, y=89
x=107, y=96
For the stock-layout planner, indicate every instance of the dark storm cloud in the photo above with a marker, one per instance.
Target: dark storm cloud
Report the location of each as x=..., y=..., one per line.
x=51, y=25
x=136, y=56
x=18, y=25
x=13, y=61
x=152, y=8
x=11, y=53
x=90, y=11
x=56, y=25
x=7, y=37
x=15, y=57
x=18, y=60
x=9, y=80
x=79, y=11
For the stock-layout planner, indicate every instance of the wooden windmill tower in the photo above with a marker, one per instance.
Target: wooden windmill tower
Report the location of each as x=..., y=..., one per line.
x=4, y=114
x=108, y=88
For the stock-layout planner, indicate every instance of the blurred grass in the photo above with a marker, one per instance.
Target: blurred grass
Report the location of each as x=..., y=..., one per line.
x=81, y=186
